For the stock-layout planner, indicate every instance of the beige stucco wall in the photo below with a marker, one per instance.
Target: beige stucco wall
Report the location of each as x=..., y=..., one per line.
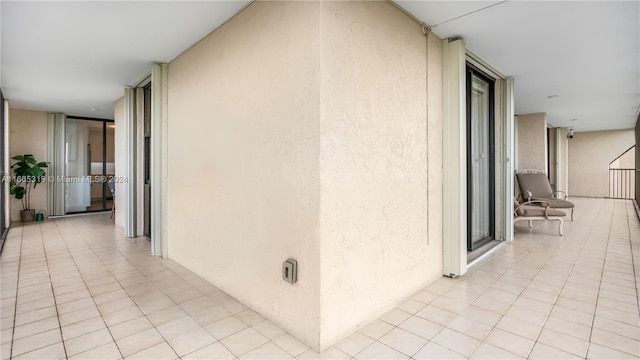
x=120, y=159
x=28, y=135
x=299, y=129
x=374, y=197
x=243, y=184
x=532, y=141
x=589, y=156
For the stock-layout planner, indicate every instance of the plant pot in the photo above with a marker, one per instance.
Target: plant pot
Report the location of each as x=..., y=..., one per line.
x=27, y=215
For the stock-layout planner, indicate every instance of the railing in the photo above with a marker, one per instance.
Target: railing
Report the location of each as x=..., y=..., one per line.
x=622, y=183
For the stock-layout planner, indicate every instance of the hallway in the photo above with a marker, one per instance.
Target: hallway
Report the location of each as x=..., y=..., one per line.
x=76, y=288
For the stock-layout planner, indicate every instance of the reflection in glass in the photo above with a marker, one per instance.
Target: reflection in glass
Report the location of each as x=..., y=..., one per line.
x=89, y=162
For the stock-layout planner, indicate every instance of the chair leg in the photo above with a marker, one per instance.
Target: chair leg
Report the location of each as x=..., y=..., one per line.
x=113, y=209
x=560, y=226
x=530, y=224
x=572, y=214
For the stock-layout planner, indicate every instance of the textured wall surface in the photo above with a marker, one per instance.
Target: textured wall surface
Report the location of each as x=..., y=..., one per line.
x=374, y=194
x=589, y=156
x=244, y=145
x=532, y=141
x=299, y=129
x=28, y=135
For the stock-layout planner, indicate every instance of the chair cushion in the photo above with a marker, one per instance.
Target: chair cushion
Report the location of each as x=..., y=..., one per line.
x=539, y=211
x=558, y=203
x=537, y=184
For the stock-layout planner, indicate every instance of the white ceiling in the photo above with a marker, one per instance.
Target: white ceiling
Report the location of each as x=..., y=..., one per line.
x=585, y=52
x=74, y=56
x=78, y=55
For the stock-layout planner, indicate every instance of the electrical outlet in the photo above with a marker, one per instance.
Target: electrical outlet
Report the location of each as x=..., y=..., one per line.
x=290, y=270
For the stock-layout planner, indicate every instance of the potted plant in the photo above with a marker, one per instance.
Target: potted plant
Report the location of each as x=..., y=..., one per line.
x=28, y=174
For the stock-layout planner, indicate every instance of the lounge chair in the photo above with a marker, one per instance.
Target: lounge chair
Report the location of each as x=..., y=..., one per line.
x=534, y=185
x=537, y=211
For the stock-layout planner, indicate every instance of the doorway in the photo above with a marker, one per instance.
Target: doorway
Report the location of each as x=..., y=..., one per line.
x=480, y=158
x=147, y=160
x=89, y=164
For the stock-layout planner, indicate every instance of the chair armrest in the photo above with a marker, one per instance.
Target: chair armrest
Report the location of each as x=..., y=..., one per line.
x=526, y=195
x=533, y=202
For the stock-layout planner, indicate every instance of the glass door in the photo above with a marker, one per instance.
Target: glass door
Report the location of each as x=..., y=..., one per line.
x=147, y=161
x=77, y=166
x=89, y=164
x=480, y=159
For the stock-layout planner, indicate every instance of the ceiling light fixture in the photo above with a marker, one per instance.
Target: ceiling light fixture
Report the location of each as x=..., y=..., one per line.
x=552, y=96
x=94, y=109
x=574, y=119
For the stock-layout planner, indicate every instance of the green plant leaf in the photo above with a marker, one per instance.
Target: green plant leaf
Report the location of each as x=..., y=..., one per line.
x=29, y=173
x=18, y=192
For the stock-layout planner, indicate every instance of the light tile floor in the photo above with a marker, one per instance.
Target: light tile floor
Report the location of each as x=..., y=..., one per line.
x=75, y=288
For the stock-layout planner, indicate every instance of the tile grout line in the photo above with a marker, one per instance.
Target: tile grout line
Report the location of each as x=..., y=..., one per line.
x=135, y=302
x=606, y=252
x=633, y=261
x=518, y=296
x=590, y=252
x=53, y=291
x=73, y=258
x=163, y=291
x=159, y=261
x=523, y=290
x=481, y=341
x=128, y=294
x=15, y=309
x=536, y=341
x=460, y=314
x=55, y=304
x=597, y=294
x=635, y=282
x=602, y=274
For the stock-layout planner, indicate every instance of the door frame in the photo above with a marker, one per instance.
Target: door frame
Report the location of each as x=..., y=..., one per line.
x=470, y=71
x=158, y=155
x=454, y=189
x=104, y=176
